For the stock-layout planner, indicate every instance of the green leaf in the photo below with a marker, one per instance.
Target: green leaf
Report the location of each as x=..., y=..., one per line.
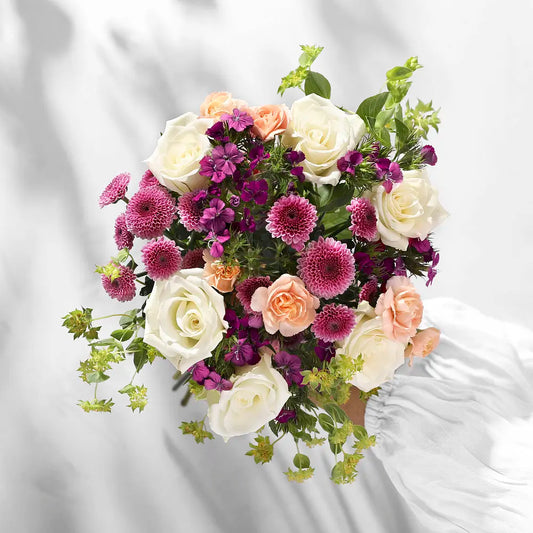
x=127, y=389
x=359, y=432
x=335, y=448
x=336, y=412
x=402, y=131
x=370, y=107
x=326, y=422
x=317, y=84
x=301, y=461
x=383, y=118
x=341, y=195
x=140, y=359
x=108, y=342
x=96, y=377
x=399, y=73
x=122, y=334
x=128, y=319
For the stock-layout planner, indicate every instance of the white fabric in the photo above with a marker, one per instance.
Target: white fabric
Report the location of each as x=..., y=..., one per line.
x=455, y=431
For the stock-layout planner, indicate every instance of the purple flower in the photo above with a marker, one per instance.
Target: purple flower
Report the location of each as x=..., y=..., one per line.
x=217, y=132
x=388, y=171
x=325, y=351
x=290, y=366
x=217, y=216
x=239, y=120
x=217, y=382
x=248, y=222
x=256, y=191
x=420, y=246
x=199, y=372
x=432, y=272
x=350, y=161
x=242, y=354
x=256, y=155
x=294, y=157
x=399, y=267
x=298, y=172
x=428, y=155
x=234, y=201
x=233, y=321
x=226, y=157
x=213, y=170
x=216, y=249
x=364, y=263
x=214, y=190
x=200, y=196
x=285, y=415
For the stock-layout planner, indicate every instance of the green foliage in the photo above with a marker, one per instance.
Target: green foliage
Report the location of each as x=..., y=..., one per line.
x=318, y=84
x=98, y=406
x=79, y=323
x=110, y=271
x=300, y=475
x=345, y=471
x=92, y=369
x=296, y=77
x=137, y=396
x=422, y=117
x=197, y=430
x=364, y=396
x=262, y=451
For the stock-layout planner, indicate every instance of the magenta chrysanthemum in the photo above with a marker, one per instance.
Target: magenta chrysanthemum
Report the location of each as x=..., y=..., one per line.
x=115, y=190
x=148, y=180
x=190, y=211
x=193, y=259
x=292, y=218
x=363, y=218
x=150, y=212
x=121, y=288
x=326, y=267
x=333, y=323
x=368, y=290
x=245, y=290
x=123, y=237
x=162, y=258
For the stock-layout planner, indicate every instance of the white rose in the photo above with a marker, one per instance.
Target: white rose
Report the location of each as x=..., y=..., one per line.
x=381, y=355
x=324, y=134
x=257, y=396
x=184, y=318
x=411, y=209
x=176, y=158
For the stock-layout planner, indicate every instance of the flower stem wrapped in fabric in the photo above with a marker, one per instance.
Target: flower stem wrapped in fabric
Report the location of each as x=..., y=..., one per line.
x=275, y=263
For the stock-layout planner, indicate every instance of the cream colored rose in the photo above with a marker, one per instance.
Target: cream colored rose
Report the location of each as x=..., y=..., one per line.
x=381, y=355
x=411, y=209
x=324, y=134
x=216, y=104
x=184, y=318
x=258, y=394
x=176, y=159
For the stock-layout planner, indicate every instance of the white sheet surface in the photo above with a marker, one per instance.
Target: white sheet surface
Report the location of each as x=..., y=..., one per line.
x=85, y=89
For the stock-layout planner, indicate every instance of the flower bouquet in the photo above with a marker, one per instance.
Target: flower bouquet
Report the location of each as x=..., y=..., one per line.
x=273, y=250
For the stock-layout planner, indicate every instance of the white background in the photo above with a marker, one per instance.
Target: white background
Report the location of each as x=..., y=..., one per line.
x=85, y=89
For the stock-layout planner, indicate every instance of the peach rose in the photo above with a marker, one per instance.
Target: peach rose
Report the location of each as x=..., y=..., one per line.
x=423, y=343
x=286, y=305
x=216, y=104
x=269, y=120
x=220, y=276
x=400, y=308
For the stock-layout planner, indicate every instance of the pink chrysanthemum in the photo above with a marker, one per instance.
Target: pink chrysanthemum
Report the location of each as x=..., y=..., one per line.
x=150, y=212
x=368, y=290
x=190, y=211
x=115, y=190
x=123, y=237
x=245, y=290
x=292, y=218
x=122, y=288
x=326, y=267
x=148, y=180
x=162, y=258
x=363, y=218
x=333, y=323
x=194, y=259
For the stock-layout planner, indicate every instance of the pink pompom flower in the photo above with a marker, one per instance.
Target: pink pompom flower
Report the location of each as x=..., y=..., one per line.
x=292, y=219
x=123, y=237
x=245, y=290
x=193, y=259
x=121, y=288
x=115, y=190
x=150, y=212
x=148, y=180
x=162, y=258
x=363, y=218
x=190, y=211
x=333, y=323
x=326, y=267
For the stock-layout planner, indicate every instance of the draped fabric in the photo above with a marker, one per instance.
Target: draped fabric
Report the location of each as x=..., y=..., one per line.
x=85, y=90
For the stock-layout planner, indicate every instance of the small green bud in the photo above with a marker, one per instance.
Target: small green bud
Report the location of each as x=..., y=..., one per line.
x=196, y=429
x=263, y=451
